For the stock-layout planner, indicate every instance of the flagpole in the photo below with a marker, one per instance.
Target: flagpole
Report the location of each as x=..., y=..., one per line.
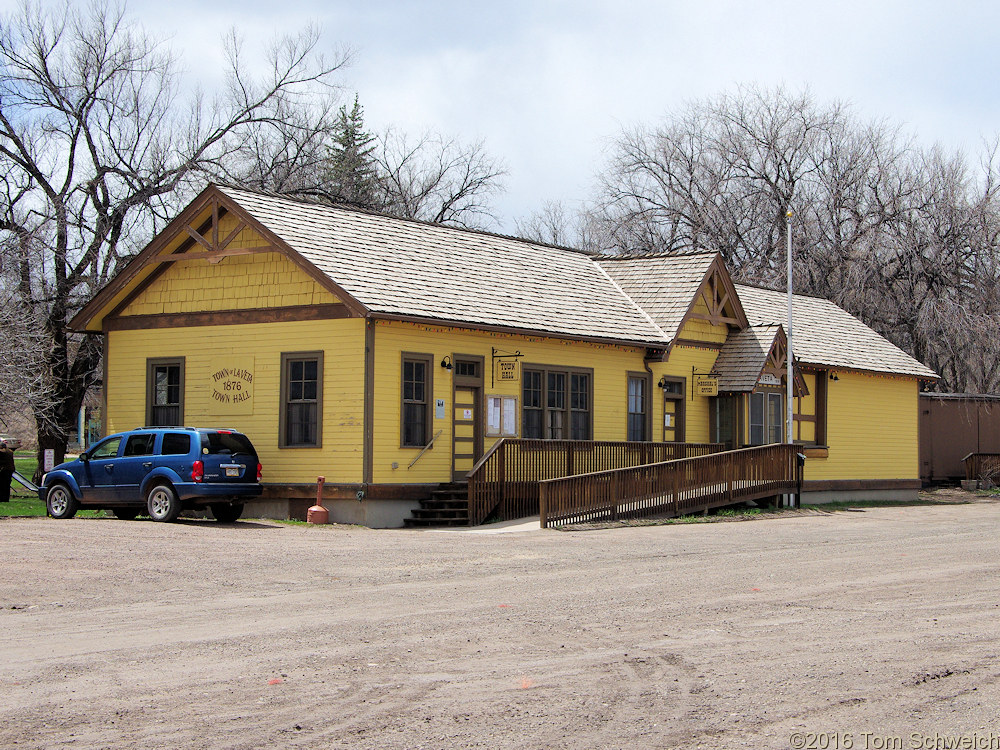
x=789, y=358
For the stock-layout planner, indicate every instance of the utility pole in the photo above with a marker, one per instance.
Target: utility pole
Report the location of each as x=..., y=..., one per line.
x=789, y=358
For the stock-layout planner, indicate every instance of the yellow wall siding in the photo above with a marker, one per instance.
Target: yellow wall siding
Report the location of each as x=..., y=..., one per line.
x=236, y=282
x=871, y=429
x=204, y=348
x=681, y=362
x=609, y=363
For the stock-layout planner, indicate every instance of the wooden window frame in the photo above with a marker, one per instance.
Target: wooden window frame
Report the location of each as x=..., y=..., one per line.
x=766, y=426
x=680, y=409
x=151, y=364
x=568, y=409
x=286, y=358
x=647, y=413
x=428, y=362
x=500, y=432
x=820, y=416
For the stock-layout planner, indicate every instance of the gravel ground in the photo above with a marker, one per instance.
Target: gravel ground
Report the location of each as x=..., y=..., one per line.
x=869, y=629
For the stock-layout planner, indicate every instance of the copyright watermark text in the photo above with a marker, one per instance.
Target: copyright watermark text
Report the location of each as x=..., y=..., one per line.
x=880, y=741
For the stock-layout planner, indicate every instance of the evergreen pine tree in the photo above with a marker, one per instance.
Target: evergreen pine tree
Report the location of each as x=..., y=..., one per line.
x=352, y=176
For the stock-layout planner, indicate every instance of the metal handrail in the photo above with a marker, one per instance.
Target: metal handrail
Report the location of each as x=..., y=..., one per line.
x=425, y=449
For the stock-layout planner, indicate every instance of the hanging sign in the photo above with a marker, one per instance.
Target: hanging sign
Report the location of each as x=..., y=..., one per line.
x=706, y=385
x=231, y=385
x=506, y=366
x=507, y=371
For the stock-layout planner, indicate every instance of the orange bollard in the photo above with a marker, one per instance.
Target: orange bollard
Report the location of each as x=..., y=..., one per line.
x=317, y=513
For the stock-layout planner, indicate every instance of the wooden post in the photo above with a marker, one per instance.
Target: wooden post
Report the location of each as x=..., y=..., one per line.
x=501, y=457
x=543, y=505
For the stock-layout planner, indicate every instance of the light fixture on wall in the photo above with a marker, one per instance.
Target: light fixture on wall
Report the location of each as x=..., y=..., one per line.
x=446, y=363
x=663, y=382
x=833, y=376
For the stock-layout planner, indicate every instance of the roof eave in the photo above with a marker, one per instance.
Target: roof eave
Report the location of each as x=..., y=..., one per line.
x=517, y=331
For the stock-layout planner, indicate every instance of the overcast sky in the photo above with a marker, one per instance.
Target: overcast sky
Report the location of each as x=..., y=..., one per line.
x=547, y=85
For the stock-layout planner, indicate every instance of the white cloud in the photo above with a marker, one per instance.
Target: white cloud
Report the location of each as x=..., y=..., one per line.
x=546, y=84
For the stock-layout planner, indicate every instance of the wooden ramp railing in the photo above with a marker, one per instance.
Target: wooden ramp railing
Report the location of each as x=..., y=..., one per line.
x=671, y=487
x=505, y=481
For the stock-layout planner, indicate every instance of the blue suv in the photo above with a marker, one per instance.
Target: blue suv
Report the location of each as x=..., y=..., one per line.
x=159, y=471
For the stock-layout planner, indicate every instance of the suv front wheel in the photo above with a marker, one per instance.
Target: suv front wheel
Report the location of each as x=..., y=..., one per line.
x=60, y=503
x=162, y=503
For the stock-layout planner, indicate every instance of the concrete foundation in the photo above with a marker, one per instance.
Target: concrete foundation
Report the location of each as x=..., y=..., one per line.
x=376, y=514
x=847, y=496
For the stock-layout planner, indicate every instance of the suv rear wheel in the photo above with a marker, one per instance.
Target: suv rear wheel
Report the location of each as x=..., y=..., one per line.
x=226, y=512
x=162, y=503
x=60, y=503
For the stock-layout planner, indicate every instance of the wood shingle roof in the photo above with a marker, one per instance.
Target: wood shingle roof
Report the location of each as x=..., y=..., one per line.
x=744, y=356
x=408, y=269
x=662, y=285
x=826, y=335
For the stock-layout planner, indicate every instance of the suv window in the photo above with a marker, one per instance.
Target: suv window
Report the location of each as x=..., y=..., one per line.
x=139, y=445
x=107, y=449
x=215, y=443
x=175, y=444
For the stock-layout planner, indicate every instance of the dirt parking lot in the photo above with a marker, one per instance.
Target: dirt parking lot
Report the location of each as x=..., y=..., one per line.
x=866, y=629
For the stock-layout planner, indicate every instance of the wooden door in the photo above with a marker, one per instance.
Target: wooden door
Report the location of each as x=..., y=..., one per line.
x=467, y=401
x=673, y=409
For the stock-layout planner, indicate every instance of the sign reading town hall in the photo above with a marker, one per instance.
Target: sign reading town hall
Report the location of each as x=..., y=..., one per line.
x=232, y=385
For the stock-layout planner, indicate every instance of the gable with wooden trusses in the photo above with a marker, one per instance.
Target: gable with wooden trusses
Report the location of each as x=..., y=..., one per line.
x=212, y=266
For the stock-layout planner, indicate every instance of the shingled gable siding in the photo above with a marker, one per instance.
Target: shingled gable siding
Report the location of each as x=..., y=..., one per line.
x=239, y=282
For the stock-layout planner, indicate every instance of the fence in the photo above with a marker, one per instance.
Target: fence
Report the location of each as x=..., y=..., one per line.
x=673, y=487
x=505, y=481
x=983, y=466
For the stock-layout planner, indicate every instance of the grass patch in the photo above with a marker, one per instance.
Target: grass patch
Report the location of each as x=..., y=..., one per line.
x=23, y=502
x=735, y=513
x=29, y=506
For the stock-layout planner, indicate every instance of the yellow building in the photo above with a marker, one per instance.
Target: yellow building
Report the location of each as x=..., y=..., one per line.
x=389, y=355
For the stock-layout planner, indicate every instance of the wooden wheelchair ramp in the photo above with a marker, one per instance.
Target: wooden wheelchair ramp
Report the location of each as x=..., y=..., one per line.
x=671, y=488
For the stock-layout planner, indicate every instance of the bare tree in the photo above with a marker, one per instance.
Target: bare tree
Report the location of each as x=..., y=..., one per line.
x=902, y=236
x=437, y=179
x=97, y=150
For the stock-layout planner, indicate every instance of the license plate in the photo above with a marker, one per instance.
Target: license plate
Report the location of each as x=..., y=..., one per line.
x=232, y=471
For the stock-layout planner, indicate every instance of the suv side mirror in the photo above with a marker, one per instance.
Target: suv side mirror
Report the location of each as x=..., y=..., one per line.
x=84, y=457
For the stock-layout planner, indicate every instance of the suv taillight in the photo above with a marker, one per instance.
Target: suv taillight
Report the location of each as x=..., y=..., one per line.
x=197, y=471
x=260, y=472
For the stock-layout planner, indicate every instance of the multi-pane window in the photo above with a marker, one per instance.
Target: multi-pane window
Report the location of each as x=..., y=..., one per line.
x=766, y=418
x=302, y=398
x=556, y=404
x=638, y=407
x=533, y=409
x=579, y=406
x=416, y=392
x=164, y=392
x=775, y=418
